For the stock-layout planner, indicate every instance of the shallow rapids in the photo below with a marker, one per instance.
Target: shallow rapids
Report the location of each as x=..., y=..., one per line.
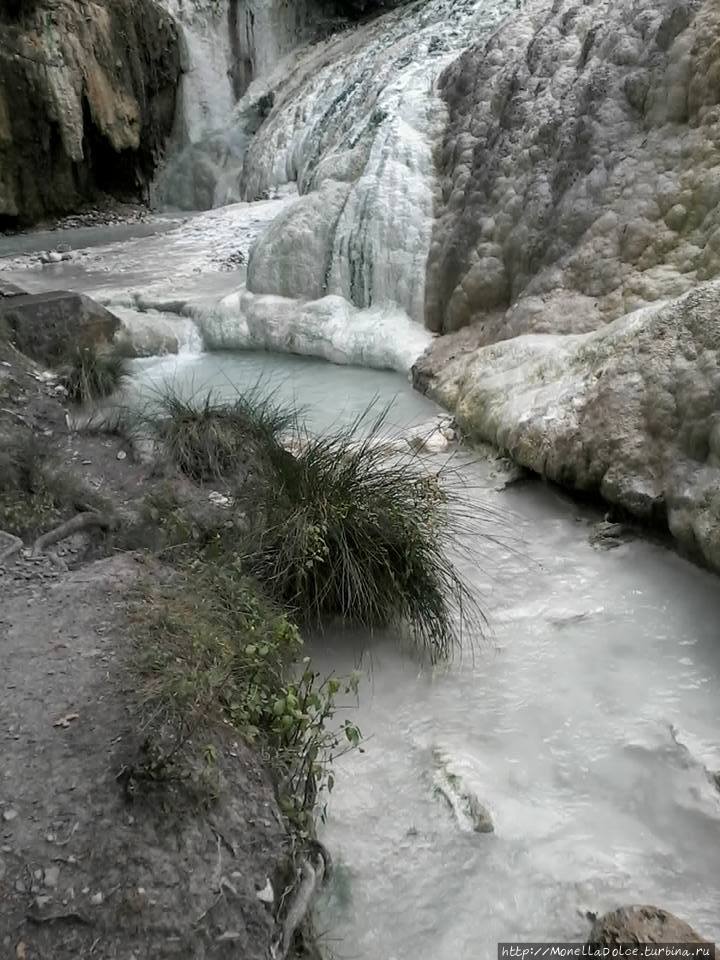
x=585, y=721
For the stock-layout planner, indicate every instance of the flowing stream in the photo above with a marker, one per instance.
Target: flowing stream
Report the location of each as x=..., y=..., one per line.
x=585, y=719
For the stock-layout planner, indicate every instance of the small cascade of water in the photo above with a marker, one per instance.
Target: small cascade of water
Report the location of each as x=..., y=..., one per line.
x=150, y=333
x=352, y=121
x=228, y=45
x=207, y=95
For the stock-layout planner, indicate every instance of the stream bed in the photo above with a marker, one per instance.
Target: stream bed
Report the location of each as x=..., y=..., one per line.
x=585, y=718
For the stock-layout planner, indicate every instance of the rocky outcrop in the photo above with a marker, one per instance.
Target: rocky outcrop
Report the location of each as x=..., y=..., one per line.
x=575, y=249
x=46, y=326
x=241, y=55
x=580, y=168
x=87, y=99
x=631, y=411
x=640, y=924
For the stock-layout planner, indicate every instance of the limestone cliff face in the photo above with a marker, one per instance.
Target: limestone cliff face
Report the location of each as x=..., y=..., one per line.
x=574, y=259
x=238, y=53
x=87, y=98
x=580, y=168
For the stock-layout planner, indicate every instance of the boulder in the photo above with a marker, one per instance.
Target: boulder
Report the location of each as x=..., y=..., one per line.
x=630, y=411
x=45, y=326
x=8, y=289
x=640, y=924
x=471, y=815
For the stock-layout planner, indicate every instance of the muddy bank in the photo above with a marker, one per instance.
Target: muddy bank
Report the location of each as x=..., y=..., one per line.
x=100, y=854
x=88, y=869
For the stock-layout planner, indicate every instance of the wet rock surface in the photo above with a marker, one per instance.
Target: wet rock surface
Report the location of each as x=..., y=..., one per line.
x=629, y=412
x=641, y=924
x=98, y=85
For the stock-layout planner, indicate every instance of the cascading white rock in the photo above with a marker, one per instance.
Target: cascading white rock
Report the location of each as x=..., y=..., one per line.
x=382, y=337
x=354, y=125
x=353, y=121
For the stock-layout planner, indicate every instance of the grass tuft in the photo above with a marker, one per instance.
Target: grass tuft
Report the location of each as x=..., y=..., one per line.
x=343, y=530
x=90, y=375
x=208, y=439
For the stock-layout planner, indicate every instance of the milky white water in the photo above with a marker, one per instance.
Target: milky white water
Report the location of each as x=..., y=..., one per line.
x=562, y=724
x=587, y=717
x=584, y=721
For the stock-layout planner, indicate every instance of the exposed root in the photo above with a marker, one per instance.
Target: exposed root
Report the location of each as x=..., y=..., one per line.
x=82, y=521
x=311, y=878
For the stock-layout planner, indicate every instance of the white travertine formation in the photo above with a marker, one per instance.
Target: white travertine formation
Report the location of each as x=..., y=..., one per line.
x=360, y=110
x=580, y=167
x=631, y=411
x=581, y=184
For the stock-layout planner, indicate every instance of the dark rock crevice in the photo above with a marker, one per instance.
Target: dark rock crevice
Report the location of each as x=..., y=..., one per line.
x=98, y=86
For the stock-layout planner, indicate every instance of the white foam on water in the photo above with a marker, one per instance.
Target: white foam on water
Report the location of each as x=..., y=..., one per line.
x=382, y=337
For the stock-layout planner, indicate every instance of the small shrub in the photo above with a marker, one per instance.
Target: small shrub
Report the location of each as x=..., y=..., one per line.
x=34, y=493
x=90, y=375
x=212, y=650
x=341, y=530
x=208, y=439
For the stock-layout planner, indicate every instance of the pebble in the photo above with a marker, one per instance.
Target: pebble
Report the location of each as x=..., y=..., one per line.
x=9, y=815
x=52, y=875
x=96, y=899
x=266, y=895
x=121, y=455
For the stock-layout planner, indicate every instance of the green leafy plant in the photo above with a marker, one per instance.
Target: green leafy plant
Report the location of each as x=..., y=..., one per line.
x=213, y=651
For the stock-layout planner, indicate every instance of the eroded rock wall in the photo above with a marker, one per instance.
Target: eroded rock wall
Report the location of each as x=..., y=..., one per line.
x=575, y=249
x=580, y=168
x=630, y=411
x=87, y=99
